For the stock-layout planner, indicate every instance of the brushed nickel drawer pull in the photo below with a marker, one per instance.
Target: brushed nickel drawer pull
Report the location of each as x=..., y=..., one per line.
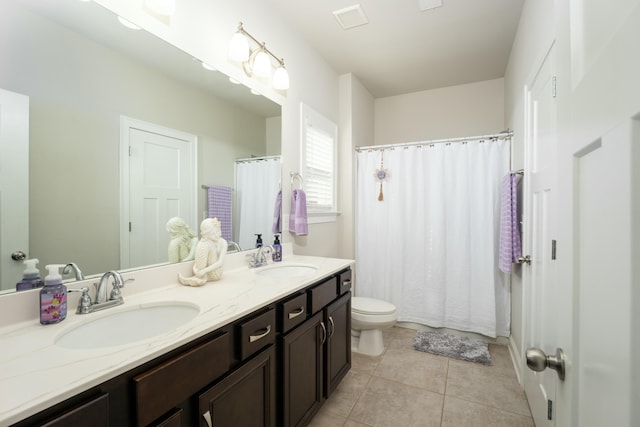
x=333, y=326
x=254, y=338
x=324, y=333
x=207, y=418
x=296, y=313
x=346, y=283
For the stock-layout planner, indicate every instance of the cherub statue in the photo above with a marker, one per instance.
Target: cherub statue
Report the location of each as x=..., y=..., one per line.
x=183, y=241
x=209, y=257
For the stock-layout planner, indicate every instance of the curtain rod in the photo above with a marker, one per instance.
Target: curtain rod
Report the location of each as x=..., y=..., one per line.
x=251, y=159
x=502, y=135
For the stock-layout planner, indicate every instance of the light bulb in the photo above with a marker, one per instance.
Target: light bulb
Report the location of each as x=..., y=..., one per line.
x=162, y=7
x=281, y=78
x=239, y=48
x=262, y=64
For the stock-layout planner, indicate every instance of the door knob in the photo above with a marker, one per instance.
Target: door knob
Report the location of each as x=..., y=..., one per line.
x=538, y=361
x=18, y=256
x=524, y=259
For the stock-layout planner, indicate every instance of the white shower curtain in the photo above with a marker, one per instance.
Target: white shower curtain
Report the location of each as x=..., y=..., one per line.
x=431, y=246
x=257, y=186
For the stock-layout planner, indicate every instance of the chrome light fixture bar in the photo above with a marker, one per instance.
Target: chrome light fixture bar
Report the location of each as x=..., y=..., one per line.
x=256, y=62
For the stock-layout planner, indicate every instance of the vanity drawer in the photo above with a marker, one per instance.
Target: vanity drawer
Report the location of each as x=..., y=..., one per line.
x=161, y=388
x=292, y=312
x=322, y=294
x=257, y=333
x=344, y=282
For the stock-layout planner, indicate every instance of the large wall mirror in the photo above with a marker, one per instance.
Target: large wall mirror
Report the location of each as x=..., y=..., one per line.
x=83, y=72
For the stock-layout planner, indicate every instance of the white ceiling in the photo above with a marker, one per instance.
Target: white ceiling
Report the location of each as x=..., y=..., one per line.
x=403, y=49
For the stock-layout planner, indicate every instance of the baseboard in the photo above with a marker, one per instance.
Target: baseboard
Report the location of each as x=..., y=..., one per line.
x=516, y=359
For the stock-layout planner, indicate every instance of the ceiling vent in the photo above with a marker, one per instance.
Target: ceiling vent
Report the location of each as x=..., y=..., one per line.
x=352, y=16
x=429, y=4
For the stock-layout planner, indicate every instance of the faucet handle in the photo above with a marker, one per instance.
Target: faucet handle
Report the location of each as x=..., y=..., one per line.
x=117, y=285
x=84, y=305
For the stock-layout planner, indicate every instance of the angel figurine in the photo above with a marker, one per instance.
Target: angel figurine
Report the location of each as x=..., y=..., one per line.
x=209, y=256
x=183, y=241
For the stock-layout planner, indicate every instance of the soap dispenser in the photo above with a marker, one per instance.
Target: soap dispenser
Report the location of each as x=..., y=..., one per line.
x=277, y=249
x=53, y=297
x=31, y=276
x=259, y=240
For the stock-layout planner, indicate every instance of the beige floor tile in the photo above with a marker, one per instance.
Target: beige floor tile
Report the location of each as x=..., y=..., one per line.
x=501, y=358
x=351, y=423
x=364, y=364
x=414, y=368
x=479, y=384
x=387, y=403
x=344, y=398
x=462, y=413
x=401, y=338
x=326, y=419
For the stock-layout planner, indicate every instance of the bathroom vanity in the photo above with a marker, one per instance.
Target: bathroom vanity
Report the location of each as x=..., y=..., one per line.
x=265, y=349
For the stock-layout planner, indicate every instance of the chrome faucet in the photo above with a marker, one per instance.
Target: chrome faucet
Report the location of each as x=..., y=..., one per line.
x=101, y=302
x=233, y=247
x=258, y=258
x=73, y=267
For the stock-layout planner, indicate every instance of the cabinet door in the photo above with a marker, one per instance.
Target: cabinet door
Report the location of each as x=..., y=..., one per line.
x=302, y=360
x=338, y=346
x=244, y=398
x=94, y=413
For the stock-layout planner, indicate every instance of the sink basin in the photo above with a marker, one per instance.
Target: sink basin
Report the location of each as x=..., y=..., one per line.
x=127, y=326
x=287, y=271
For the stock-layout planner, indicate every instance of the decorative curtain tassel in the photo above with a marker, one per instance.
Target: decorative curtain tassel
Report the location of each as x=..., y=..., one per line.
x=380, y=196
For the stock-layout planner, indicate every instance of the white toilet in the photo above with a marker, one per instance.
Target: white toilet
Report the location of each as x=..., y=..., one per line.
x=368, y=318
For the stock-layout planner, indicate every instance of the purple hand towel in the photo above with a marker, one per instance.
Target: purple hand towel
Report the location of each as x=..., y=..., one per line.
x=510, y=247
x=277, y=215
x=220, y=206
x=298, y=217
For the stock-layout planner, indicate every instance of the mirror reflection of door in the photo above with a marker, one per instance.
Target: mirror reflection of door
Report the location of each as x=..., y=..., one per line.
x=161, y=181
x=14, y=185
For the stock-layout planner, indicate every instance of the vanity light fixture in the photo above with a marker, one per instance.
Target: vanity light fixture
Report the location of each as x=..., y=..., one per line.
x=257, y=62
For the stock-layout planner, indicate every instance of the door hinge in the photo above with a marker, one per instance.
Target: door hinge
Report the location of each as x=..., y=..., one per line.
x=554, y=87
x=129, y=151
x=553, y=249
x=129, y=226
x=549, y=409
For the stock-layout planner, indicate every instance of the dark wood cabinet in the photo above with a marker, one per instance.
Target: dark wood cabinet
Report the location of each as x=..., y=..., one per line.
x=302, y=367
x=92, y=413
x=273, y=367
x=338, y=346
x=316, y=355
x=244, y=398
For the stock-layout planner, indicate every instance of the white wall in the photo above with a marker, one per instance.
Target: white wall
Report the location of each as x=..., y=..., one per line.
x=455, y=111
x=356, y=129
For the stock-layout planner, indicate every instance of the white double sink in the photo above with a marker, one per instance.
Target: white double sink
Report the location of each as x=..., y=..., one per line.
x=130, y=325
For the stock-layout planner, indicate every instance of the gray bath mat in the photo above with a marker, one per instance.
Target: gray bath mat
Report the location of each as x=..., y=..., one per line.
x=462, y=348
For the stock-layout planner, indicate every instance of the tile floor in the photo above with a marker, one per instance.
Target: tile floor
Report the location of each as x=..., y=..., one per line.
x=405, y=387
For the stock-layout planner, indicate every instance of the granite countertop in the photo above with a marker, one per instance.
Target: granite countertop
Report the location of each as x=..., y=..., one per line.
x=35, y=373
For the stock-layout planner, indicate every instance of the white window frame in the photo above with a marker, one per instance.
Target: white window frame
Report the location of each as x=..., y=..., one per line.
x=311, y=118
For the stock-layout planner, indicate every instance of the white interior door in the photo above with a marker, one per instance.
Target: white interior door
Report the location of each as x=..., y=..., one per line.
x=161, y=185
x=539, y=278
x=14, y=185
x=605, y=303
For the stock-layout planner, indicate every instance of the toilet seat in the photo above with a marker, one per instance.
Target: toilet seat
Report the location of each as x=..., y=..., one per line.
x=370, y=306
